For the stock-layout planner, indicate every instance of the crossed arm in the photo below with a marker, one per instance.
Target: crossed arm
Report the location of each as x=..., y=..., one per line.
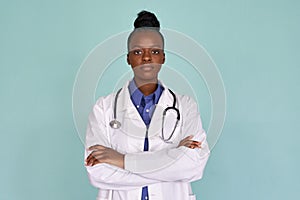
x=109, y=169
x=102, y=154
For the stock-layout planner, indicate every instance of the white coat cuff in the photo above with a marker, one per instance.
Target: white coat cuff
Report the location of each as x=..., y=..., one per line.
x=130, y=162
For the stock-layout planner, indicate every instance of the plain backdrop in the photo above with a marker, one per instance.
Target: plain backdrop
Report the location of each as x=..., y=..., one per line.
x=255, y=45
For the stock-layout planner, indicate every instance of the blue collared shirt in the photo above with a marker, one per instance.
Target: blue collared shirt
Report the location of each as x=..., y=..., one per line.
x=144, y=104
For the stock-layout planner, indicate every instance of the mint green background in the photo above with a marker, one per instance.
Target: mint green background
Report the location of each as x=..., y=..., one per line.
x=255, y=44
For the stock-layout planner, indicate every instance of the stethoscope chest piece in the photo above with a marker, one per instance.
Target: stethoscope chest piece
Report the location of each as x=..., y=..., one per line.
x=115, y=124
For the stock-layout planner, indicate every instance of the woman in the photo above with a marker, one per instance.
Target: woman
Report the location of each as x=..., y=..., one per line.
x=145, y=141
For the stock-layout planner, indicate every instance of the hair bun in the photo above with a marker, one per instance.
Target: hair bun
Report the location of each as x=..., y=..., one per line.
x=146, y=19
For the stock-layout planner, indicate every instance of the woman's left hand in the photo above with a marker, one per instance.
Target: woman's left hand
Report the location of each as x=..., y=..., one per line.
x=188, y=142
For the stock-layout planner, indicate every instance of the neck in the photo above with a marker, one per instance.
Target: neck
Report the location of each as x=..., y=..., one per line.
x=146, y=87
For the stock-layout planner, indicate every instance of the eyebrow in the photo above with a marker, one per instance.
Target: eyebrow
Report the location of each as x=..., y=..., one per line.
x=141, y=47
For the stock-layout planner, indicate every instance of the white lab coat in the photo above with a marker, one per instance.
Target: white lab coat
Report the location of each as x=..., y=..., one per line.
x=165, y=169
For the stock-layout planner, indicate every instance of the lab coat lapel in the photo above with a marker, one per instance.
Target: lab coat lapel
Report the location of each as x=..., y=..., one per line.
x=131, y=122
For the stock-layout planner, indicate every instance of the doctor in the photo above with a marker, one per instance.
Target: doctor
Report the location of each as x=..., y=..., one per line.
x=145, y=142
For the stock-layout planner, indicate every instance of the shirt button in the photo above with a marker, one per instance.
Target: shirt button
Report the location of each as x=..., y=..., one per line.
x=138, y=106
x=147, y=110
x=146, y=197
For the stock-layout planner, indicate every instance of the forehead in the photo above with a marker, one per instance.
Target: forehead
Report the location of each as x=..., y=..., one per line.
x=145, y=39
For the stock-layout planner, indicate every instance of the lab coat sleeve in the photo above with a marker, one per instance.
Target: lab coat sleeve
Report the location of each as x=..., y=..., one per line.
x=106, y=176
x=175, y=164
x=109, y=177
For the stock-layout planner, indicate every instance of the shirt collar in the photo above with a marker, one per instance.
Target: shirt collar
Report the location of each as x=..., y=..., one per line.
x=136, y=94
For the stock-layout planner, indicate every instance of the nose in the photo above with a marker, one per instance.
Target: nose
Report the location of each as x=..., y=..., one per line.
x=146, y=56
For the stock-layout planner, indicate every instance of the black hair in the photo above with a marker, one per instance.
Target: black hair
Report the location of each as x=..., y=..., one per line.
x=145, y=21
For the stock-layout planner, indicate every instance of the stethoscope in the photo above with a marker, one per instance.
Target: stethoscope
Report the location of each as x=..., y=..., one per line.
x=115, y=124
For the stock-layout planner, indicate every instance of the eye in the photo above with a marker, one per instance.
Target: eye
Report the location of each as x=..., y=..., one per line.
x=137, y=52
x=155, y=51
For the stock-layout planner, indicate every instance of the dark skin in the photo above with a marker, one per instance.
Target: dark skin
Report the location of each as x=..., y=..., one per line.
x=146, y=56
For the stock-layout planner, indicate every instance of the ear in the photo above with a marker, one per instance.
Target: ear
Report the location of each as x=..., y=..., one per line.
x=164, y=58
x=128, y=61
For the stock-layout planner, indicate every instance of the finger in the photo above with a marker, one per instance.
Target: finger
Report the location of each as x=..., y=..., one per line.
x=191, y=142
x=91, y=156
x=198, y=144
x=92, y=147
x=96, y=147
x=89, y=160
x=187, y=143
x=188, y=137
x=102, y=158
x=195, y=145
x=94, y=160
x=94, y=155
x=195, y=142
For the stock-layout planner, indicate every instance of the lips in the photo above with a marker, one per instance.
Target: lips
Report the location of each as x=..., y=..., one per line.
x=147, y=67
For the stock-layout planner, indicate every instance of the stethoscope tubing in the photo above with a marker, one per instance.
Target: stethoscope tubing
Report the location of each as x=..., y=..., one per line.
x=115, y=124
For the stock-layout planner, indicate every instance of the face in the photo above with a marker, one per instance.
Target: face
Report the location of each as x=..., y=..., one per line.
x=146, y=55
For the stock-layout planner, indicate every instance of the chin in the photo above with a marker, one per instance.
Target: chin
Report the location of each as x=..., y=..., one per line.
x=146, y=78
